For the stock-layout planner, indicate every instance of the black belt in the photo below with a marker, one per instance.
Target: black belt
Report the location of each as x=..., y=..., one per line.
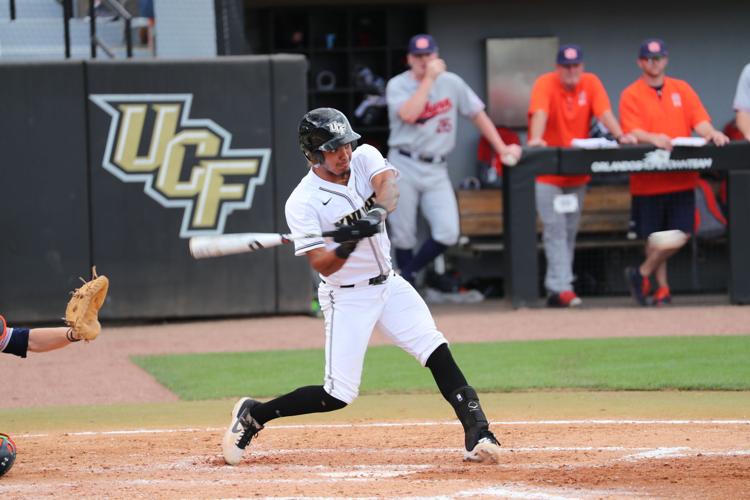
x=377, y=280
x=424, y=158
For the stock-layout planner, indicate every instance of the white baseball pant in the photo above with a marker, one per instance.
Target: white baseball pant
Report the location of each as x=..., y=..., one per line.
x=351, y=314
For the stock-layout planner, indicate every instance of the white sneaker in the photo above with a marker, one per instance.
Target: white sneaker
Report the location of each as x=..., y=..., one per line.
x=241, y=430
x=487, y=449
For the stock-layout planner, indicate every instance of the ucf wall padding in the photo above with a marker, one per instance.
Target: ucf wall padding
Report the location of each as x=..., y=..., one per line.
x=44, y=217
x=140, y=157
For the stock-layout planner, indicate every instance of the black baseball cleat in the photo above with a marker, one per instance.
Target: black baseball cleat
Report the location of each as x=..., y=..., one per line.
x=485, y=450
x=241, y=430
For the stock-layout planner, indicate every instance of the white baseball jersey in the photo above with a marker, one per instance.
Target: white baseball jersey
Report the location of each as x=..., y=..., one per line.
x=434, y=133
x=317, y=205
x=351, y=306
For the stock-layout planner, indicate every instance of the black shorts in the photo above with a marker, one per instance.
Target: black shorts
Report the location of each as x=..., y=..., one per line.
x=661, y=212
x=17, y=342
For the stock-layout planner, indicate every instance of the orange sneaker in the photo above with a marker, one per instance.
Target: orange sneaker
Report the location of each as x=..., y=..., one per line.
x=568, y=298
x=662, y=296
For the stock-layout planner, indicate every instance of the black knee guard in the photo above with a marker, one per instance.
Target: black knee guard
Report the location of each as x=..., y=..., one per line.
x=468, y=410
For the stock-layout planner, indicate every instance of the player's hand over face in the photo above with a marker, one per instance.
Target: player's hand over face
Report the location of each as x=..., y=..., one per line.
x=434, y=68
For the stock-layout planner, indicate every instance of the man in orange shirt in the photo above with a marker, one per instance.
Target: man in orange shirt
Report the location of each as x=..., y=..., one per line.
x=563, y=103
x=656, y=108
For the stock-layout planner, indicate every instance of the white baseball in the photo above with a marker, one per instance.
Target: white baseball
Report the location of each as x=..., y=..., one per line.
x=667, y=240
x=509, y=160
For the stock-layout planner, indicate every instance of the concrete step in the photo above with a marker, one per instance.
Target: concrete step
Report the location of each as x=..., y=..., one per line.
x=34, y=39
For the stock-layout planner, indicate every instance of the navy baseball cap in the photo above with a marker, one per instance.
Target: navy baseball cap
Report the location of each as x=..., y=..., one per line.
x=570, y=54
x=653, y=47
x=422, y=44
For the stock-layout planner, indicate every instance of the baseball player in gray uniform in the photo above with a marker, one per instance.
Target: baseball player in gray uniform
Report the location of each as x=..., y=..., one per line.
x=423, y=107
x=356, y=189
x=742, y=102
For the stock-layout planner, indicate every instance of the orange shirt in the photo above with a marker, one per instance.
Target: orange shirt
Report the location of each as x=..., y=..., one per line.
x=569, y=114
x=675, y=113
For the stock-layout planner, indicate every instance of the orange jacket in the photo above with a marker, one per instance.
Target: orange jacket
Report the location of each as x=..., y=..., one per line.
x=675, y=113
x=569, y=115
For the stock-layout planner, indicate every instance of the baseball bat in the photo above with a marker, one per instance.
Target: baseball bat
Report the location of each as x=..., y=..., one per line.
x=202, y=247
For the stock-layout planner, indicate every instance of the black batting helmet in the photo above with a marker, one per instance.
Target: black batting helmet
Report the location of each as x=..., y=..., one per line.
x=324, y=129
x=7, y=453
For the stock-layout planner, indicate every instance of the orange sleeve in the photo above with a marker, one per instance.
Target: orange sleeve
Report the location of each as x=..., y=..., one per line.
x=697, y=112
x=599, y=98
x=629, y=115
x=540, y=96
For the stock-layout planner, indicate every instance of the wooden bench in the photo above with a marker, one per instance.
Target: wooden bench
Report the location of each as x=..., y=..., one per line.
x=605, y=220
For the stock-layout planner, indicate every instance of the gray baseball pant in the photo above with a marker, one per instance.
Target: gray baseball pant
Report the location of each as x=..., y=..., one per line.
x=558, y=235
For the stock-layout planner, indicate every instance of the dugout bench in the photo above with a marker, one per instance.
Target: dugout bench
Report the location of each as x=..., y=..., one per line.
x=605, y=219
x=521, y=270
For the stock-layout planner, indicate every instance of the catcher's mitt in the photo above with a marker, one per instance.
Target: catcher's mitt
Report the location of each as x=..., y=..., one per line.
x=81, y=315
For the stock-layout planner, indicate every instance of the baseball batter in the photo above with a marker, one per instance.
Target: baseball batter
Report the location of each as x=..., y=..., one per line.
x=358, y=290
x=423, y=107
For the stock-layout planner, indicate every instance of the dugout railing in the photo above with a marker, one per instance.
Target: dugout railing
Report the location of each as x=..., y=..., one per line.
x=520, y=236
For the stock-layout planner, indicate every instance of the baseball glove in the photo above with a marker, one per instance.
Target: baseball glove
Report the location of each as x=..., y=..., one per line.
x=81, y=315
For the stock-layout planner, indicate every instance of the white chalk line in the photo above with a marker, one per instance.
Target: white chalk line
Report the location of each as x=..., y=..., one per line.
x=403, y=424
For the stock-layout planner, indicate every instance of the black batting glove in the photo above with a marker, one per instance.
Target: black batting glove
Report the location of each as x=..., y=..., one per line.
x=344, y=250
x=369, y=225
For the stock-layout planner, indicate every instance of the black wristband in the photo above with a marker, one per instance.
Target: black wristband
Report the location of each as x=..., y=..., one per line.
x=344, y=250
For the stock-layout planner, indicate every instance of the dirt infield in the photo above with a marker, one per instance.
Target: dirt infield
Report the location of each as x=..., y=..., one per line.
x=574, y=459
x=624, y=456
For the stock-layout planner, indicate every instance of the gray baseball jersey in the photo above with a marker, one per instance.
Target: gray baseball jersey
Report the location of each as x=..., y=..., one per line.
x=742, y=97
x=434, y=132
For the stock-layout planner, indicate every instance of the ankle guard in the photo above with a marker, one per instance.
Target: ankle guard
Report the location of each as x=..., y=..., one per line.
x=465, y=402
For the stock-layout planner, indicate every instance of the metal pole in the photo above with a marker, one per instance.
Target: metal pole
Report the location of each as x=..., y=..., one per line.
x=92, y=28
x=67, y=14
x=128, y=38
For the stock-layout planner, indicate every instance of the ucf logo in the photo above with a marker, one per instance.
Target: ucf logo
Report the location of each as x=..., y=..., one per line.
x=183, y=162
x=337, y=127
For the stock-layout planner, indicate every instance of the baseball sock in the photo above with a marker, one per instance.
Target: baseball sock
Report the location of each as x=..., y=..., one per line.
x=309, y=399
x=426, y=254
x=445, y=371
x=461, y=396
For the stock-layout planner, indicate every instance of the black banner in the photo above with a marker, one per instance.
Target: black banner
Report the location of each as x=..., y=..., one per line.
x=181, y=149
x=45, y=214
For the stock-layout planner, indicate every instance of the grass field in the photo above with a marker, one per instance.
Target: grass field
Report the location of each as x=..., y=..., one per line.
x=642, y=364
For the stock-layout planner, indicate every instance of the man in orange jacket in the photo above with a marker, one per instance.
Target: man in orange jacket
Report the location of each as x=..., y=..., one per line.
x=655, y=109
x=563, y=103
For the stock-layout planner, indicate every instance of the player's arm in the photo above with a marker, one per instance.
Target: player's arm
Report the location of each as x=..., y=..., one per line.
x=609, y=121
x=743, y=123
x=327, y=262
x=489, y=131
x=413, y=107
x=386, y=190
x=708, y=132
x=537, y=126
x=48, y=339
